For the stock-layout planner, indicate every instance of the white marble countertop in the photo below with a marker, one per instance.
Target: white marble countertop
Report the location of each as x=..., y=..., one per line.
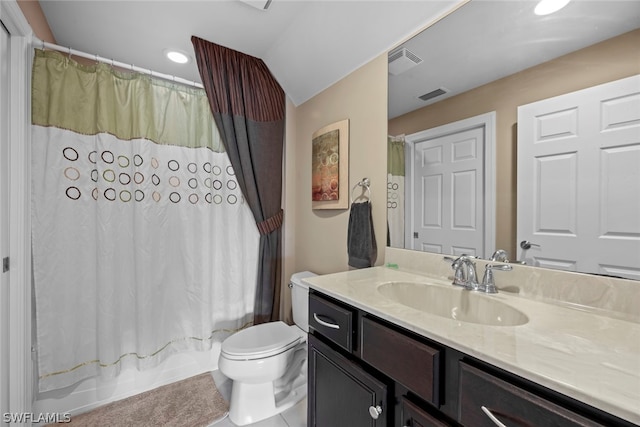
x=589, y=357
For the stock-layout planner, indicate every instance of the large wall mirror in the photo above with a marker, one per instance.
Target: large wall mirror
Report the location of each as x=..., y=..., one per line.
x=455, y=91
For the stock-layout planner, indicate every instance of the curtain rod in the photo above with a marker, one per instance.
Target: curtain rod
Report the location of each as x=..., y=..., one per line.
x=41, y=43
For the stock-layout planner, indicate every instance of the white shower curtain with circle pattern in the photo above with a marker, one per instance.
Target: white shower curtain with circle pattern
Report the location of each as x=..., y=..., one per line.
x=395, y=190
x=142, y=243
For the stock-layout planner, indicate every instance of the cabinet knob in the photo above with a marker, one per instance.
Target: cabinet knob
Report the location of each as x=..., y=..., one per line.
x=375, y=411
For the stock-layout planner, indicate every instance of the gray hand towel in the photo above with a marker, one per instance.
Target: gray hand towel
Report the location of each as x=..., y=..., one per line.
x=361, y=240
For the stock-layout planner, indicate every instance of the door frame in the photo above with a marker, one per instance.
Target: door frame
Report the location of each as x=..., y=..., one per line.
x=4, y=218
x=486, y=121
x=20, y=57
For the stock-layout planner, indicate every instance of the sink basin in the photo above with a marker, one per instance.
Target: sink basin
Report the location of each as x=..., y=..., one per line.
x=453, y=303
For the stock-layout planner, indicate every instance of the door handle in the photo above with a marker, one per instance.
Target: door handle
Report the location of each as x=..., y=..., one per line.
x=525, y=244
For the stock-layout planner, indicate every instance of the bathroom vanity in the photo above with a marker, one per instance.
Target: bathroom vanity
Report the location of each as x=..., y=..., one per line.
x=377, y=359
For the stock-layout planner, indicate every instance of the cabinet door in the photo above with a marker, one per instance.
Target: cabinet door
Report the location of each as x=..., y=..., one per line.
x=414, y=416
x=488, y=401
x=341, y=394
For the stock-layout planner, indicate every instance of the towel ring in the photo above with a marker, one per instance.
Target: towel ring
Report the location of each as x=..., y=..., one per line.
x=364, y=183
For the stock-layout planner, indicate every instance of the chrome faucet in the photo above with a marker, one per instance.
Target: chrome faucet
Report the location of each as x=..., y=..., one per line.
x=488, y=284
x=464, y=272
x=500, y=256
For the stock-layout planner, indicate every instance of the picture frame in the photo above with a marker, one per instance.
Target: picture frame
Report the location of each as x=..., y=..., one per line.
x=330, y=166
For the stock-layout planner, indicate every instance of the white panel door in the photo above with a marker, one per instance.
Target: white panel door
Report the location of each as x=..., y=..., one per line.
x=579, y=180
x=4, y=219
x=447, y=183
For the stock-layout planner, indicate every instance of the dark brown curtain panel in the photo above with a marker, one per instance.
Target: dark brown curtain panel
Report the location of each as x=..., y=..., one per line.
x=248, y=107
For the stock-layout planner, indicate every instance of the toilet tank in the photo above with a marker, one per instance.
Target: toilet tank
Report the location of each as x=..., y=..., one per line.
x=300, y=299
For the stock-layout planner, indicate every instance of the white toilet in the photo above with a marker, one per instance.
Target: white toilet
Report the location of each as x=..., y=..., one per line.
x=268, y=362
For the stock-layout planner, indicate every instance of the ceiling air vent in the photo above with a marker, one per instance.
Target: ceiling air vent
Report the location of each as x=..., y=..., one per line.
x=401, y=60
x=433, y=94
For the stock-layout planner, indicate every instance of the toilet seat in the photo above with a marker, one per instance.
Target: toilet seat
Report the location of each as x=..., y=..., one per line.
x=261, y=341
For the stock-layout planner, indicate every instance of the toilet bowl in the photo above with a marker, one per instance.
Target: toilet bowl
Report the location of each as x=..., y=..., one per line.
x=268, y=362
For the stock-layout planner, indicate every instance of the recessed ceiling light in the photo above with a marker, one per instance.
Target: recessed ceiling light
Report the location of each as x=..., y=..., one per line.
x=177, y=56
x=547, y=7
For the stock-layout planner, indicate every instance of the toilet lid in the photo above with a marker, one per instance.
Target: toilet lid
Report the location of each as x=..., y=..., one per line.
x=263, y=340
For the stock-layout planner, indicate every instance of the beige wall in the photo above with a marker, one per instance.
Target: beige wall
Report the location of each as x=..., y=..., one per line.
x=316, y=240
x=33, y=13
x=607, y=61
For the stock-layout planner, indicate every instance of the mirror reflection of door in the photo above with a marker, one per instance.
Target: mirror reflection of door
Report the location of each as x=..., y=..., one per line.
x=450, y=183
x=579, y=180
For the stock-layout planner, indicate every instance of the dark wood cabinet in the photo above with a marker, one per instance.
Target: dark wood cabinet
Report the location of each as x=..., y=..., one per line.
x=486, y=400
x=366, y=371
x=361, y=370
x=342, y=394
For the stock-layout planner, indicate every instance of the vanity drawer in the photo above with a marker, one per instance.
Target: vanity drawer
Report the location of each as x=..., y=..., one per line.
x=414, y=416
x=483, y=396
x=331, y=320
x=408, y=361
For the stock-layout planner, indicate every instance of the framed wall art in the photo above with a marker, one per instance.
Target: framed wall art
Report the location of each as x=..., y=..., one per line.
x=330, y=166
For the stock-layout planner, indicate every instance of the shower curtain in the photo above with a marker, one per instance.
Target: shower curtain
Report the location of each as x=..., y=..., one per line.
x=248, y=106
x=143, y=245
x=395, y=190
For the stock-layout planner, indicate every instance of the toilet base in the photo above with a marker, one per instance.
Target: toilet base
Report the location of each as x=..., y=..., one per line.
x=251, y=403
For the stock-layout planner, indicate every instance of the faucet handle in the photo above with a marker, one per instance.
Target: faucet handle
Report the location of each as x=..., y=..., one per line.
x=457, y=264
x=500, y=255
x=488, y=283
x=501, y=267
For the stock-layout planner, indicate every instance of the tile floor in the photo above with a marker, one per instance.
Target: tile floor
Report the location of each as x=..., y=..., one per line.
x=293, y=417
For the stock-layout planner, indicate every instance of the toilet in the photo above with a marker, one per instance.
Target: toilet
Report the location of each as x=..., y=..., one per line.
x=268, y=362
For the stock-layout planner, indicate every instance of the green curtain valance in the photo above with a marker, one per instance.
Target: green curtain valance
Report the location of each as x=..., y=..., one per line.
x=92, y=99
x=395, y=155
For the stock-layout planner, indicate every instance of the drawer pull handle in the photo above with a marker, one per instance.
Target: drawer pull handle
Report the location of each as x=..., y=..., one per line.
x=492, y=417
x=327, y=324
x=375, y=411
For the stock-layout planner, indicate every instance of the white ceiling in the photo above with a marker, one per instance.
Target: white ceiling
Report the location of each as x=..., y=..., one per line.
x=489, y=39
x=307, y=45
